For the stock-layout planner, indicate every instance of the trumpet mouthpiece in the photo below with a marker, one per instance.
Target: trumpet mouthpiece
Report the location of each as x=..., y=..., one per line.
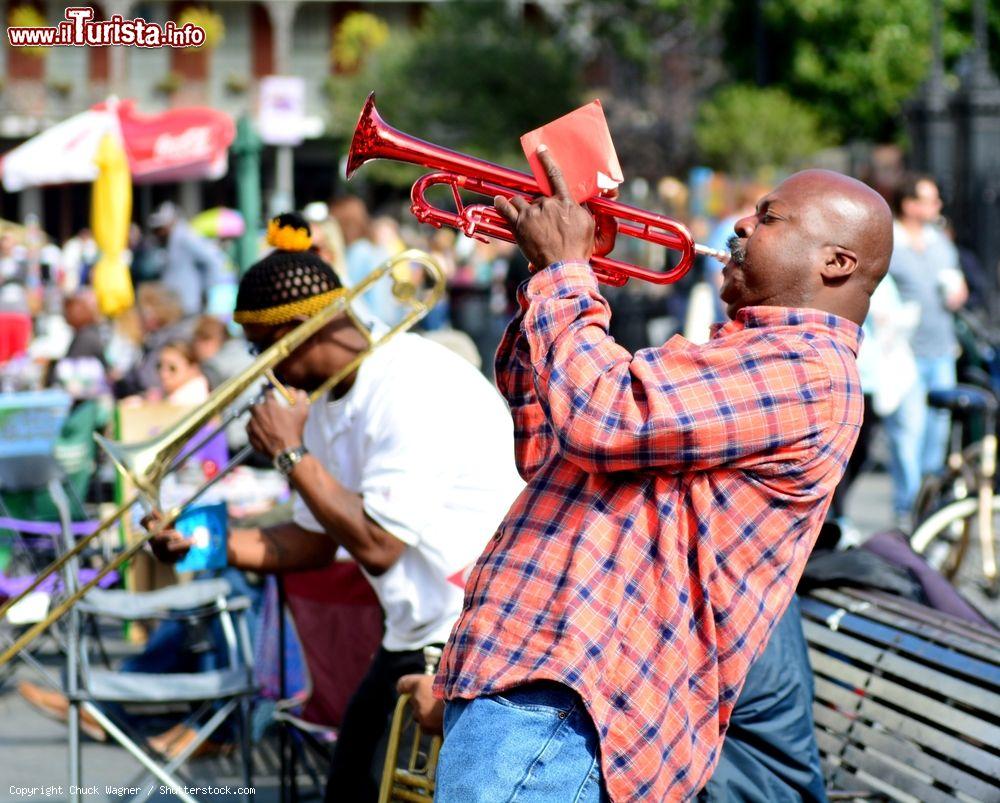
x=704, y=250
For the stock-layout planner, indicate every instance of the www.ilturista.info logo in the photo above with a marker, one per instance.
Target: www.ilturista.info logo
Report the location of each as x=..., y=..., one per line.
x=79, y=29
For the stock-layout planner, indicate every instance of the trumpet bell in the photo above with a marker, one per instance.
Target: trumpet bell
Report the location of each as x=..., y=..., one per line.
x=366, y=136
x=415, y=780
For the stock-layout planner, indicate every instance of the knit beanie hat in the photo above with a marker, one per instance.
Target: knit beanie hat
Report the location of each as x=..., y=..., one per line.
x=290, y=282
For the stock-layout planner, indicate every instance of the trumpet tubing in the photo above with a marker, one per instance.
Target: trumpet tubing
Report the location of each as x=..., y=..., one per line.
x=146, y=463
x=375, y=139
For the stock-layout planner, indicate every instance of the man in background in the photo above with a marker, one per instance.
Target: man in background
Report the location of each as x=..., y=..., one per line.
x=926, y=270
x=193, y=263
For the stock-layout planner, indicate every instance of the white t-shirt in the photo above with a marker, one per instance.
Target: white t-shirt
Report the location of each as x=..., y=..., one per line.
x=429, y=444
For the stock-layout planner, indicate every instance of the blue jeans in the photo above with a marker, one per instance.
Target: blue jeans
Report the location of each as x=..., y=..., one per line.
x=529, y=744
x=169, y=648
x=936, y=373
x=905, y=428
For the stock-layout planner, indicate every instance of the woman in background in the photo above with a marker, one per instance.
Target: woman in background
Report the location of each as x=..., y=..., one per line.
x=181, y=379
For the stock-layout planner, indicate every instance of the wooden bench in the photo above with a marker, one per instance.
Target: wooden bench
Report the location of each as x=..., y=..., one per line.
x=907, y=700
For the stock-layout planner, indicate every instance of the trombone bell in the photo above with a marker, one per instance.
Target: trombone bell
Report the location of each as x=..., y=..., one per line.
x=141, y=463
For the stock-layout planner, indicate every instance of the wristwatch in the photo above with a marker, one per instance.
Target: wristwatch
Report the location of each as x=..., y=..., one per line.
x=286, y=460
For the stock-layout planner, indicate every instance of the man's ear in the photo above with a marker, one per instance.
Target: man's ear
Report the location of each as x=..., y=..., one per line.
x=839, y=262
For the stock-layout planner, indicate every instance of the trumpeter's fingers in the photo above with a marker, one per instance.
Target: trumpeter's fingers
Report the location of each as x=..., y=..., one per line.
x=504, y=207
x=559, y=187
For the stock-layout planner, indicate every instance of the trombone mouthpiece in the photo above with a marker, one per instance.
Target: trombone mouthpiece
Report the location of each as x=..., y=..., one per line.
x=286, y=394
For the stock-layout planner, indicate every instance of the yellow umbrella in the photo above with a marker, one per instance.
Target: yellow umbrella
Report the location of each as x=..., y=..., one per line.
x=110, y=216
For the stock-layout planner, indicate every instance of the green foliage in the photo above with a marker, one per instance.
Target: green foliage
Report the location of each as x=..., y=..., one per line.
x=640, y=30
x=856, y=62
x=744, y=129
x=470, y=77
x=359, y=35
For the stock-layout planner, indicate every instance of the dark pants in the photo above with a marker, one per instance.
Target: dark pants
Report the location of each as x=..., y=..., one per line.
x=359, y=755
x=857, y=460
x=770, y=753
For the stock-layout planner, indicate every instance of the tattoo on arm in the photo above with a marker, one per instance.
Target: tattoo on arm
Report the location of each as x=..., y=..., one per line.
x=274, y=549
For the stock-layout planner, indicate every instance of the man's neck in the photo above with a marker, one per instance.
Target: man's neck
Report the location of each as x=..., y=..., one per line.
x=344, y=386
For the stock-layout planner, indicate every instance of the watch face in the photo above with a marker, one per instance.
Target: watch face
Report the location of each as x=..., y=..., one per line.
x=285, y=461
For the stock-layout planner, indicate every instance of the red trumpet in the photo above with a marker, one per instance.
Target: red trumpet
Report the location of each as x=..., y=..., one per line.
x=375, y=139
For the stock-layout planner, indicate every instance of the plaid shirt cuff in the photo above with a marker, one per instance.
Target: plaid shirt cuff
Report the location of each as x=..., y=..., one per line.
x=561, y=279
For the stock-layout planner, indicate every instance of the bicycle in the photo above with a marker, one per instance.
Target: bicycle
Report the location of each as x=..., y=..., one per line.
x=959, y=504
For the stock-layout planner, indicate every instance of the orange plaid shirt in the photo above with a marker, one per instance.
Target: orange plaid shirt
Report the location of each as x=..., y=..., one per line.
x=672, y=499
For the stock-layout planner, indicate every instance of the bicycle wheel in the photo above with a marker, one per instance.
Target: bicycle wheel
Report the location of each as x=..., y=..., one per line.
x=947, y=486
x=944, y=537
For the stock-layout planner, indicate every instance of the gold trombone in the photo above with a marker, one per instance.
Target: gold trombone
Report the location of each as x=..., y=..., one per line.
x=415, y=781
x=148, y=462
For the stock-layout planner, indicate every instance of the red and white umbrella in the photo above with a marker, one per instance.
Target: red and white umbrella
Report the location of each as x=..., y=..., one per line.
x=176, y=145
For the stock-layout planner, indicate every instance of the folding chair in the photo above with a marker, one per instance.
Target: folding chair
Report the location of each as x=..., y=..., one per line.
x=29, y=425
x=227, y=690
x=338, y=621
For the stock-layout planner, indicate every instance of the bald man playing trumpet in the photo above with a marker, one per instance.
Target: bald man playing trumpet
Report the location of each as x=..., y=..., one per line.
x=673, y=496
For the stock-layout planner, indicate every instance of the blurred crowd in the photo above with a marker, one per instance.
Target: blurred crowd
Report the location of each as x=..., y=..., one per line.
x=178, y=342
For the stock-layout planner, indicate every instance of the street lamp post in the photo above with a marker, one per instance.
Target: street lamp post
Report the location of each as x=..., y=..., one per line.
x=976, y=111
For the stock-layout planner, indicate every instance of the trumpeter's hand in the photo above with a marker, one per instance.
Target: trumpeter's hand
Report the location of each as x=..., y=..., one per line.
x=551, y=228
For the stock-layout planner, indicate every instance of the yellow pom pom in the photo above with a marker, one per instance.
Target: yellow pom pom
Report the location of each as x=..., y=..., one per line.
x=288, y=238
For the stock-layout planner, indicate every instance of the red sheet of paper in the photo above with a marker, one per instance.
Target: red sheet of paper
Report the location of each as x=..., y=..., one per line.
x=581, y=144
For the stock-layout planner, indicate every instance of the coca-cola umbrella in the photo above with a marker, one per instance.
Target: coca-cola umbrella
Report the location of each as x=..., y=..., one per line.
x=176, y=145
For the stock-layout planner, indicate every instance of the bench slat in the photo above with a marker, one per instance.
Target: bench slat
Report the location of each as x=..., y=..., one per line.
x=838, y=776
x=924, y=735
x=864, y=736
x=920, y=676
x=913, y=617
x=946, y=716
x=912, y=645
x=919, y=619
x=890, y=772
x=907, y=700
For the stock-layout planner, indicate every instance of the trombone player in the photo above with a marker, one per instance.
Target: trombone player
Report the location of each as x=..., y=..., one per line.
x=407, y=466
